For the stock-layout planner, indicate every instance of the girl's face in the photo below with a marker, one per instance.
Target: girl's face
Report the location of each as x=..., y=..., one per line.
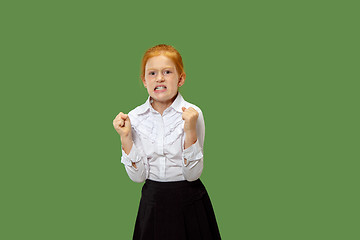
x=162, y=79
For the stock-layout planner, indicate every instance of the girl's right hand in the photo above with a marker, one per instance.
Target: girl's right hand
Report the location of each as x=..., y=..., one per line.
x=122, y=125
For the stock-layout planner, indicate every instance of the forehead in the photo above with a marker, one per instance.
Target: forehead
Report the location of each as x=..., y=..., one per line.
x=160, y=61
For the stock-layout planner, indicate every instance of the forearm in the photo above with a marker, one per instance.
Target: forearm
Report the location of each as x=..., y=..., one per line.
x=193, y=148
x=134, y=164
x=193, y=170
x=193, y=162
x=190, y=138
x=126, y=143
x=138, y=173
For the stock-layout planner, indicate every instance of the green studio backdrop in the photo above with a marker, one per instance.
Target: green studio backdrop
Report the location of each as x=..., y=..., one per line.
x=277, y=82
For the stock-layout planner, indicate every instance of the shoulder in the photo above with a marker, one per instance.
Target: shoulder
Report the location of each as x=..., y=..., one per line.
x=143, y=108
x=138, y=110
x=139, y=113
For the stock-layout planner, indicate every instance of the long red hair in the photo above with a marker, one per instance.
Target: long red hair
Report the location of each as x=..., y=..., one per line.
x=166, y=50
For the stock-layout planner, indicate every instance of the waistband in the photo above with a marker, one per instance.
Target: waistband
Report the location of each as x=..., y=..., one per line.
x=172, y=194
x=173, y=184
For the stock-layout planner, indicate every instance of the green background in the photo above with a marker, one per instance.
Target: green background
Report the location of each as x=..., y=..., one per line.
x=277, y=82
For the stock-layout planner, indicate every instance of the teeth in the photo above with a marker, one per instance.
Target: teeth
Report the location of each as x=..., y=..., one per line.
x=159, y=88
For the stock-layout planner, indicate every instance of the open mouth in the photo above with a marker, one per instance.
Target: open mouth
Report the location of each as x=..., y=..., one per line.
x=160, y=88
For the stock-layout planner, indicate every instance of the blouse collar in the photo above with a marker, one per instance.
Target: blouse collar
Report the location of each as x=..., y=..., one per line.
x=176, y=105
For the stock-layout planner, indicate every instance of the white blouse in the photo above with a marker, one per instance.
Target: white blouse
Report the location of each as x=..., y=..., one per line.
x=158, y=144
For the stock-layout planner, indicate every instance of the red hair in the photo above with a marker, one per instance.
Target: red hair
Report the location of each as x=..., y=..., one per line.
x=166, y=50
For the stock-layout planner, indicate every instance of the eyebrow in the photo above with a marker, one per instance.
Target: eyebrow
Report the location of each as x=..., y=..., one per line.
x=156, y=69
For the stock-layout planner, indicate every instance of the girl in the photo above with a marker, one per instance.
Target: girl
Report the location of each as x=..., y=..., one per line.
x=162, y=144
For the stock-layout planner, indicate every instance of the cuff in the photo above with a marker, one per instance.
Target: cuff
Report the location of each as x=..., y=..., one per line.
x=132, y=157
x=192, y=153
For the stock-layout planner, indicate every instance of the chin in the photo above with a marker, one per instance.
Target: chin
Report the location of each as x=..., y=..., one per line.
x=163, y=98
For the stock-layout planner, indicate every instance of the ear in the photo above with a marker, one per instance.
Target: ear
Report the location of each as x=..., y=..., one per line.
x=181, y=79
x=144, y=82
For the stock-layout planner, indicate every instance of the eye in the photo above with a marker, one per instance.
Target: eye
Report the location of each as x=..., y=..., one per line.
x=167, y=72
x=152, y=73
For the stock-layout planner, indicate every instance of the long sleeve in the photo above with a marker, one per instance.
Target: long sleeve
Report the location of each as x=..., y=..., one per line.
x=194, y=154
x=158, y=150
x=139, y=173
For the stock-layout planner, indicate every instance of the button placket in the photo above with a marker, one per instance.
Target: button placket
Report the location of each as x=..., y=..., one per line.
x=160, y=141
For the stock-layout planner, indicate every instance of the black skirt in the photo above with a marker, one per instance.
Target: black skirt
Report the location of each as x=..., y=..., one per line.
x=175, y=211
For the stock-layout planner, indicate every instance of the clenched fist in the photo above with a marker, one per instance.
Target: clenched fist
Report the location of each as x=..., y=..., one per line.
x=122, y=125
x=190, y=116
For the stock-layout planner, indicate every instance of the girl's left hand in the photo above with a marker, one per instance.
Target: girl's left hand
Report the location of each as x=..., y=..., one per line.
x=190, y=116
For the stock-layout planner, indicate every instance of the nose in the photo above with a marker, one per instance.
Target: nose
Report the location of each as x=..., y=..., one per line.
x=160, y=78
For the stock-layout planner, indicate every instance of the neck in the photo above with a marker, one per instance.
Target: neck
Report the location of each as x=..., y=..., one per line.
x=160, y=107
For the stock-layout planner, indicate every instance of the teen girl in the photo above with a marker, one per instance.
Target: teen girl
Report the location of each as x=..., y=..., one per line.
x=162, y=144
